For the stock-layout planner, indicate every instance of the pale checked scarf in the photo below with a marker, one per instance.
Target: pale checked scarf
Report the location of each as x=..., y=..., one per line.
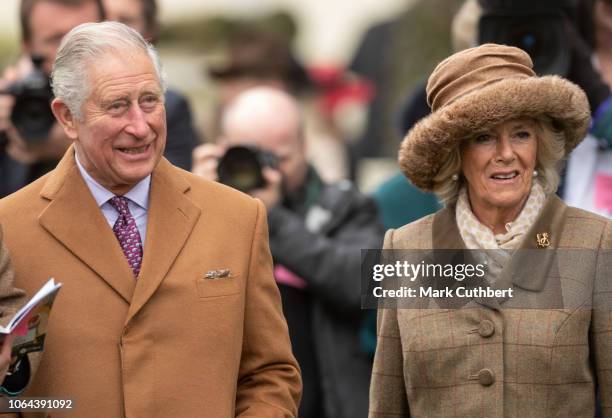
x=476, y=236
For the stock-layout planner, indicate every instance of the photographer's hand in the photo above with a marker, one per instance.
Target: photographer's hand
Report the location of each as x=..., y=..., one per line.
x=7, y=101
x=206, y=159
x=19, y=150
x=50, y=149
x=271, y=194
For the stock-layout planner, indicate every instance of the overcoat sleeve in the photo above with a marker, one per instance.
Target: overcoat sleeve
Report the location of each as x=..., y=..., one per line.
x=269, y=383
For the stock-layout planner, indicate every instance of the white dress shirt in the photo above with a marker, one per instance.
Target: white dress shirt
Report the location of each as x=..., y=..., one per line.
x=138, y=200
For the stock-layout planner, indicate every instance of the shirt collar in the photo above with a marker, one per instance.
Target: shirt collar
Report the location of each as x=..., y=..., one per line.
x=139, y=194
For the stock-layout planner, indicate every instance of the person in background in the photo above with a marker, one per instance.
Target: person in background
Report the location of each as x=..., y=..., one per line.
x=142, y=15
x=256, y=57
x=395, y=55
x=43, y=25
x=316, y=233
x=588, y=178
x=168, y=301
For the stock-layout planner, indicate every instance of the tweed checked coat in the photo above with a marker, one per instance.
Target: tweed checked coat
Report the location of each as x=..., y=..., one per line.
x=493, y=361
x=171, y=343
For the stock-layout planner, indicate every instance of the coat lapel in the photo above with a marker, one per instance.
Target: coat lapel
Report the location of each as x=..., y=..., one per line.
x=171, y=218
x=75, y=220
x=532, y=267
x=529, y=267
x=445, y=233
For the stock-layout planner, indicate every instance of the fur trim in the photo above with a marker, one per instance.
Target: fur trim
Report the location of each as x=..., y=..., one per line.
x=428, y=144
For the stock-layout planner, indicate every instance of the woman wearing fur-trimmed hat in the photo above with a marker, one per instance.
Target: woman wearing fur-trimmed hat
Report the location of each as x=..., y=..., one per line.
x=491, y=150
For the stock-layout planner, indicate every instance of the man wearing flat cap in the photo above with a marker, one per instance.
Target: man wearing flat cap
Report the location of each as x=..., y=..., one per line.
x=168, y=306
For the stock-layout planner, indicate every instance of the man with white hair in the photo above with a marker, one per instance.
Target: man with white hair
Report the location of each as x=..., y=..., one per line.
x=317, y=231
x=168, y=306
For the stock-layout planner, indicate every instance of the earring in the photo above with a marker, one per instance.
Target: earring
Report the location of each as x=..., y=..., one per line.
x=455, y=177
x=535, y=173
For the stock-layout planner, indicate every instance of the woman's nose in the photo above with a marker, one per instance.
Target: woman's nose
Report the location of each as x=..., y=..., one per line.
x=504, y=150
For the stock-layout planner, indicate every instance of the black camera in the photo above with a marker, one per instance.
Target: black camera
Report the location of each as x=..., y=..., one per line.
x=241, y=167
x=31, y=114
x=535, y=26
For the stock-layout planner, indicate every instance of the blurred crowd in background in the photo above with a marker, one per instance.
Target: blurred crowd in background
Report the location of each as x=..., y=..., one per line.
x=321, y=151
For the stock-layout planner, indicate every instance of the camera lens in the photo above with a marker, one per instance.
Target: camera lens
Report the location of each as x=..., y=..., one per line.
x=528, y=42
x=240, y=168
x=31, y=114
x=533, y=41
x=33, y=118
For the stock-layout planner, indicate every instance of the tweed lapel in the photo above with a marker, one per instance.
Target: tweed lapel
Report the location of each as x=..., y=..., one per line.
x=74, y=219
x=171, y=219
x=445, y=233
x=530, y=265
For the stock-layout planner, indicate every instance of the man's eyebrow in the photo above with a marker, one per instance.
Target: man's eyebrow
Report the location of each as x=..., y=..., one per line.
x=110, y=100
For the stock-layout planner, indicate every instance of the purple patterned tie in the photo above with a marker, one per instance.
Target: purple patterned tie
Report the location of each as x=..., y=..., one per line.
x=127, y=233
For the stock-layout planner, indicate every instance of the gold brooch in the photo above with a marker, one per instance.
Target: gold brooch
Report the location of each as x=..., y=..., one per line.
x=542, y=239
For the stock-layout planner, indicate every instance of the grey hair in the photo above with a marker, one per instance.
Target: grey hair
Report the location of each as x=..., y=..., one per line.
x=87, y=43
x=550, y=154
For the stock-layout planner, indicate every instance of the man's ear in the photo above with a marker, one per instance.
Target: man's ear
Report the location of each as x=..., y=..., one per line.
x=65, y=117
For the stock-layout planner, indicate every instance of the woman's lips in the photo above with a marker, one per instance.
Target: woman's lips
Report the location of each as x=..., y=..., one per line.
x=505, y=177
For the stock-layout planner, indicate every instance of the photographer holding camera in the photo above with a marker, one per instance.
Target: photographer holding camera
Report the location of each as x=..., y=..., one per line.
x=31, y=142
x=316, y=233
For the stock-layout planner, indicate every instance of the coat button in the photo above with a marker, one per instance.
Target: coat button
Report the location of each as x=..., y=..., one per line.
x=486, y=328
x=486, y=377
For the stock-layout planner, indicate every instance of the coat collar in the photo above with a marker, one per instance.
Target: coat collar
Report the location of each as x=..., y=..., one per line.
x=171, y=218
x=75, y=220
x=521, y=270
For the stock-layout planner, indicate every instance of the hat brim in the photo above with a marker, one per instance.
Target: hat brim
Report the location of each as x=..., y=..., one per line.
x=428, y=144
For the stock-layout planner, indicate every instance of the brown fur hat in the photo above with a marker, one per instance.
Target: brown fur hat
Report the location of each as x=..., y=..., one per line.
x=478, y=88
